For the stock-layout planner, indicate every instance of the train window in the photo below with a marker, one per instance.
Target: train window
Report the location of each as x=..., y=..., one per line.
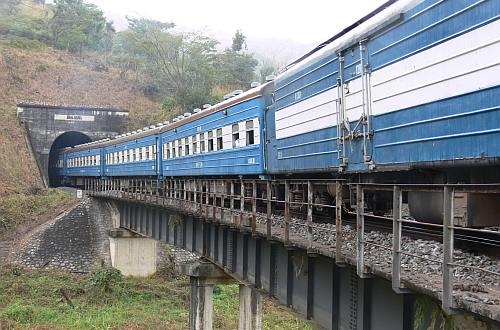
x=173, y=150
x=147, y=153
x=179, y=149
x=202, y=142
x=115, y=161
x=211, y=141
x=195, y=144
x=122, y=157
x=250, y=134
x=98, y=159
x=186, y=143
x=236, y=135
x=219, y=139
x=167, y=150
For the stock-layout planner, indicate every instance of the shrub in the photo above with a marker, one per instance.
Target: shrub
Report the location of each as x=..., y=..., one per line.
x=102, y=280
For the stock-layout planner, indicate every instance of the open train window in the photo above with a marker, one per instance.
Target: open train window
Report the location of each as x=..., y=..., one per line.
x=211, y=141
x=179, y=148
x=250, y=135
x=173, y=149
x=186, y=143
x=146, y=157
x=219, y=139
x=167, y=150
x=195, y=144
x=202, y=142
x=236, y=135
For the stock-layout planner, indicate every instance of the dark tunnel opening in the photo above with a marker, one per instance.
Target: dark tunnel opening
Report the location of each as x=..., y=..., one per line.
x=68, y=139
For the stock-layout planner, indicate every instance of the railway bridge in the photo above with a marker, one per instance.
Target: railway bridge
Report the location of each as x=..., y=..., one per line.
x=344, y=274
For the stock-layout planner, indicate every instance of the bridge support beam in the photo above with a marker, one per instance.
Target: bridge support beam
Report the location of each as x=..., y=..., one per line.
x=131, y=253
x=203, y=276
x=250, y=309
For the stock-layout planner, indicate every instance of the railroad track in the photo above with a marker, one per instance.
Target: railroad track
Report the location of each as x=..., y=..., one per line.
x=470, y=238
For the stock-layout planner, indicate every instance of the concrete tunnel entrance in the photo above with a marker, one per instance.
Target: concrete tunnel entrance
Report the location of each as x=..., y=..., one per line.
x=67, y=139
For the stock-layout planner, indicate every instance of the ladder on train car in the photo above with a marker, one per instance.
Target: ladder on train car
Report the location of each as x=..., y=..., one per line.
x=361, y=127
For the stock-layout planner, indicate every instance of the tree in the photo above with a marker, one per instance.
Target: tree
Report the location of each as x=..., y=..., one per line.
x=239, y=40
x=181, y=62
x=77, y=25
x=236, y=69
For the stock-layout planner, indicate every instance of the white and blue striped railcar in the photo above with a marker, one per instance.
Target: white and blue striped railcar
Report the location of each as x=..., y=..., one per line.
x=415, y=83
x=225, y=139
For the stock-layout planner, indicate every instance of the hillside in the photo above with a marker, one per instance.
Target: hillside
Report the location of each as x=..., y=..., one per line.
x=41, y=74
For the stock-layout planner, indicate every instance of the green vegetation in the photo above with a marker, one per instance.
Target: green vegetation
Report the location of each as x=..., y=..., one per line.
x=56, y=300
x=182, y=70
x=18, y=209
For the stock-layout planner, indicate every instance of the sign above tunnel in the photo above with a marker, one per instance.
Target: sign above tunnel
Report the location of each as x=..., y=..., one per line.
x=73, y=117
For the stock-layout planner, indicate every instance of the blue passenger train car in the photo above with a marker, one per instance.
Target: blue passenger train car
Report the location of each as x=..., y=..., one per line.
x=413, y=85
x=83, y=161
x=224, y=139
x=134, y=154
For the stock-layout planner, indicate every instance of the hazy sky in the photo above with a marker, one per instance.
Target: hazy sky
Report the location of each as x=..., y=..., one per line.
x=308, y=22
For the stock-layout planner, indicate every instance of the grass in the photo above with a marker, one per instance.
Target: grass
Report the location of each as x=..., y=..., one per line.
x=226, y=304
x=34, y=299
x=22, y=209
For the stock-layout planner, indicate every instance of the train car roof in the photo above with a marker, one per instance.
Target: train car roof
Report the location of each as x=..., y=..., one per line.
x=386, y=14
x=249, y=94
x=85, y=146
x=134, y=135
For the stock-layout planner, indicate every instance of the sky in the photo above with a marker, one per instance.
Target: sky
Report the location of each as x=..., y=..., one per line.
x=303, y=22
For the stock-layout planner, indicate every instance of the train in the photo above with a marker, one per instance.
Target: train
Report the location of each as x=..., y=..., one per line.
x=410, y=93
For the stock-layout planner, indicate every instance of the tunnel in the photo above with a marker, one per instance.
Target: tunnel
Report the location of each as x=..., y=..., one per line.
x=68, y=139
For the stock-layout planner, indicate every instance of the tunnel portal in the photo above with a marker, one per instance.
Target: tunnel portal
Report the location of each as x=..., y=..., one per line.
x=51, y=127
x=68, y=139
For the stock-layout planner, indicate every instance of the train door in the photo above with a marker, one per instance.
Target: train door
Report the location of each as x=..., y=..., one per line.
x=269, y=143
x=354, y=109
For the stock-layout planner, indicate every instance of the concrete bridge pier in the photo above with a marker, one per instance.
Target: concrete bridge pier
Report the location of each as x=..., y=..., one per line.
x=250, y=309
x=132, y=253
x=203, y=276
